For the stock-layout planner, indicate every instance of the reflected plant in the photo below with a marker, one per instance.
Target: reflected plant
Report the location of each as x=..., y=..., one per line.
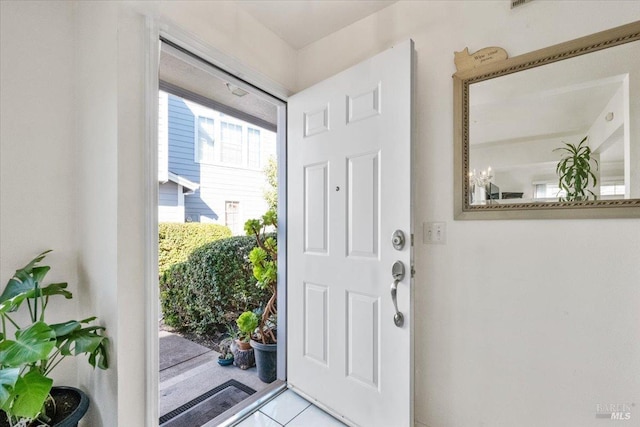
x=575, y=171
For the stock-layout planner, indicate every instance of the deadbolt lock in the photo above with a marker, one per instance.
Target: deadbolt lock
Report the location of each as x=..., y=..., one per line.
x=397, y=240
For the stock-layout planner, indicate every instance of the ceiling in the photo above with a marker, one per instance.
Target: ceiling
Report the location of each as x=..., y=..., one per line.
x=301, y=22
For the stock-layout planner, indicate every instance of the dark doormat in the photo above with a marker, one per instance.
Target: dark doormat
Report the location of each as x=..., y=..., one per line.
x=207, y=406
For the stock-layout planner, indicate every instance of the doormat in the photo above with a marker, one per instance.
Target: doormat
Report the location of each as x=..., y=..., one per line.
x=207, y=406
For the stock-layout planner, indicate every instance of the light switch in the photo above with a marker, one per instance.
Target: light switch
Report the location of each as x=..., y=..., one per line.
x=435, y=232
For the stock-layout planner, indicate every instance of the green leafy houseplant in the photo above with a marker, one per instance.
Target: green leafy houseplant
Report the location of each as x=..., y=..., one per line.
x=27, y=361
x=575, y=171
x=264, y=259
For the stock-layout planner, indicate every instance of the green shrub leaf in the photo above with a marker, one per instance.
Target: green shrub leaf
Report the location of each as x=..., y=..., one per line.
x=177, y=241
x=212, y=287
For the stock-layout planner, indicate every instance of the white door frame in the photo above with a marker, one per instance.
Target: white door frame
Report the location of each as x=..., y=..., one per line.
x=246, y=78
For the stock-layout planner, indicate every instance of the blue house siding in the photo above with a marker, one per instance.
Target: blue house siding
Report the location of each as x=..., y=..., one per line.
x=218, y=183
x=181, y=140
x=168, y=194
x=170, y=202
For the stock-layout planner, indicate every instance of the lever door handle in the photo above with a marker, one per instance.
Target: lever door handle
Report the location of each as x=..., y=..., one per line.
x=398, y=274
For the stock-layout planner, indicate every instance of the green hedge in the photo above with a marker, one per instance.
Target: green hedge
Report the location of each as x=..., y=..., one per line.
x=205, y=293
x=177, y=241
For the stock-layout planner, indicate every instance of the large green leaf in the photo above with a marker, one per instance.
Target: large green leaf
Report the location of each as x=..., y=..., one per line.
x=32, y=344
x=8, y=378
x=100, y=357
x=63, y=329
x=79, y=340
x=25, y=277
x=31, y=392
x=16, y=301
x=16, y=287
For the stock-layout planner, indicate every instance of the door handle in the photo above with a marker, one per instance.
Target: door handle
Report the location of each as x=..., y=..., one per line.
x=397, y=271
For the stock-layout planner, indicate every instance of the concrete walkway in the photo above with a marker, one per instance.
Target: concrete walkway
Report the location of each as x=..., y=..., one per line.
x=188, y=370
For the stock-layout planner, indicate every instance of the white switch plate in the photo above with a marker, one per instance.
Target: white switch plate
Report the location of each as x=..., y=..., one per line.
x=435, y=233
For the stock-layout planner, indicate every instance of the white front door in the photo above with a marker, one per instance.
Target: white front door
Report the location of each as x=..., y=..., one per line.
x=349, y=187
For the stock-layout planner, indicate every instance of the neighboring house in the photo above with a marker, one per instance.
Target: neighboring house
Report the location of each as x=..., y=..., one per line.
x=210, y=165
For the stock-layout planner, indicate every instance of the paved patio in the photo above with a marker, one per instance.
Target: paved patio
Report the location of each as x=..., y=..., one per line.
x=187, y=370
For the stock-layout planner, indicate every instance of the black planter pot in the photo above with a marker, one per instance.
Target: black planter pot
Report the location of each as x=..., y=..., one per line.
x=82, y=405
x=70, y=406
x=266, y=360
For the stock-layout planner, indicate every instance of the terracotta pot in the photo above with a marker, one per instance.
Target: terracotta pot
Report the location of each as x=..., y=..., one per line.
x=243, y=345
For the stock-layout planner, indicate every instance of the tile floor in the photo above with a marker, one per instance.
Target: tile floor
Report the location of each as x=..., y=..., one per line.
x=289, y=409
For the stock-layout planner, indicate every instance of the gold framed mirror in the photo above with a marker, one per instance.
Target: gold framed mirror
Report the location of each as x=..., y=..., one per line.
x=516, y=120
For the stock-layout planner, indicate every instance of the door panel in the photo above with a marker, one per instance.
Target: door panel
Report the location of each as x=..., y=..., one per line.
x=349, y=182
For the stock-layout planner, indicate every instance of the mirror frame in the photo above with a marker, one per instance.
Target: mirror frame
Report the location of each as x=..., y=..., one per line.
x=620, y=208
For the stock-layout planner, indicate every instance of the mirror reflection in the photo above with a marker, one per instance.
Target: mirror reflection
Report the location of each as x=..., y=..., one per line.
x=585, y=109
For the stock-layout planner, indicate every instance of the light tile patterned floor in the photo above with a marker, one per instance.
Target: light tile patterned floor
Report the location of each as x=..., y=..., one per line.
x=289, y=409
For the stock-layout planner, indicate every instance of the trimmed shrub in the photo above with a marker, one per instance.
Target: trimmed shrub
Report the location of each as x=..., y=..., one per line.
x=205, y=293
x=178, y=240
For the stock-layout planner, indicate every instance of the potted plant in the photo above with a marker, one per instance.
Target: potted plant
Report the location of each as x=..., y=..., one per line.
x=264, y=259
x=244, y=356
x=575, y=172
x=226, y=353
x=27, y=397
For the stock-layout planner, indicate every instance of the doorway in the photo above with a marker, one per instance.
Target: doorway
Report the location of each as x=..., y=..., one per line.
x=216, y=136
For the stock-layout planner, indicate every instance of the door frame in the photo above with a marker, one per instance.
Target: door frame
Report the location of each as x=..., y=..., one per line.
x=243, y=77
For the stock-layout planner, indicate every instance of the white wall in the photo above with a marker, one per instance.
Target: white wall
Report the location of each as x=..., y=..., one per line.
x=519, y=323
x=97, y=136
x=38, y=177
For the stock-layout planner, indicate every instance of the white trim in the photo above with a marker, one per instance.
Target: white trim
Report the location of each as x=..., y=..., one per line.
x=180, y=180
x=150, y=257
x=163, y=135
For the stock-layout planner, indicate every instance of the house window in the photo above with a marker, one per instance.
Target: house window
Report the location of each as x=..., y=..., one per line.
x=232, y=217
x=205, y=140
x=231, y=139
x=253, y=148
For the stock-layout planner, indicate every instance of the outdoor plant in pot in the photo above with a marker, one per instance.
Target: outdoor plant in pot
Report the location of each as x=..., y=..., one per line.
x=264, y=259
x=27, y=397
x=575, y=171
x=244, y=354
x=226, y=353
